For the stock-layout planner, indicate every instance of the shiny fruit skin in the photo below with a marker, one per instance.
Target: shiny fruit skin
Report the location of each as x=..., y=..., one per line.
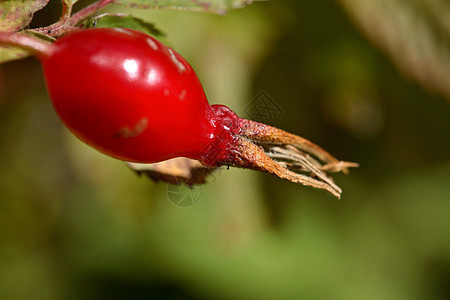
x=128, y=95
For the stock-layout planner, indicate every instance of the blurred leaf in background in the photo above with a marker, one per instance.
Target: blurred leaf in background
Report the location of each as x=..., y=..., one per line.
x=213, y=6
x=416, y=35
x=75, y=224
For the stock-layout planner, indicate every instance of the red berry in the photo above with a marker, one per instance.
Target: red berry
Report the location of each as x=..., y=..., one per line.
x=131, y=97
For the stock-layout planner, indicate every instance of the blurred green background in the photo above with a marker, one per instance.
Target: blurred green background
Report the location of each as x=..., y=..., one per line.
x=75, y=224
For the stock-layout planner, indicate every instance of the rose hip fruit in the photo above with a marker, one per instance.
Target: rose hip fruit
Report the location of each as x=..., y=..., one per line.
x=128, y=95
x=131, y=97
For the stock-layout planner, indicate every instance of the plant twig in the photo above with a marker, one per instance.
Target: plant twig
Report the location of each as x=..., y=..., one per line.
x=68, y=23
x=38, y=47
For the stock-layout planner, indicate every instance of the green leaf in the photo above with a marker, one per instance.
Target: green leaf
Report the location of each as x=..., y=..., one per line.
x=213, y=6
x=126, y=21
x=11, y=53
x=8, y=53
x=415, y=34
x=70, y=2
x=17, y=14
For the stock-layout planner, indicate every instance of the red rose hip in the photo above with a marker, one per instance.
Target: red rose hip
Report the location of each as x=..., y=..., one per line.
x=128, y=95
x=131, y=97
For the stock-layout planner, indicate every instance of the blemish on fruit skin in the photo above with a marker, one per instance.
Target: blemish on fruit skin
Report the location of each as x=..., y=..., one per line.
x=181, y=68
x=127, y=132
x=99, y=60
x=166, y=92
x=152, y=44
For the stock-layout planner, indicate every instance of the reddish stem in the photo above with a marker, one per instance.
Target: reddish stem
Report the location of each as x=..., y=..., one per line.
x=89, y=10
x=66, y=10
x=67, y=23
x=38, y=47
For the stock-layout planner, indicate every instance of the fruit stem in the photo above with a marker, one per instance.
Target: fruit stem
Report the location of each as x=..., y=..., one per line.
x=38, y=47
x=89, y=10
x=67, y=23
x=66, y=10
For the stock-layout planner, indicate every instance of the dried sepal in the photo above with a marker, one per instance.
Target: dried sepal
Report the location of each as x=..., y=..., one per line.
x=265, y=134
x=253, y=157
x=288, y=156
x=261, y=148
x=177, y=170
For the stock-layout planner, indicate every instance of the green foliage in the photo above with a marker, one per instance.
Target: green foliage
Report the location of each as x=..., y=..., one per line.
x=416, y=35
x=126, y=21
x=12, y=53
x=214, y=6
x=14, y=16
x=70, y=2
x=17, y=14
